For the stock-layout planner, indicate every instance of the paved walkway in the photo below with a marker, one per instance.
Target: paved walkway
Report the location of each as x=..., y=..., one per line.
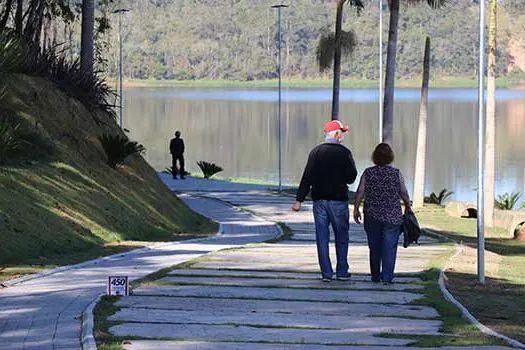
x=44, y=313
x=196, y=184
x=269, y=296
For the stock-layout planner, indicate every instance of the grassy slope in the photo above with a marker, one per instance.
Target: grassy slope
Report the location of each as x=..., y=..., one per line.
x=73, y=204
x=500, y=303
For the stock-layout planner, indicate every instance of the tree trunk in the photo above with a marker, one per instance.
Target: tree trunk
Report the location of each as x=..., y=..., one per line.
x=490, y=131
x=7, y=13
x=19, y=17
x=337, y=60
x=388, y=102
x=87, y=36
x=421, y=154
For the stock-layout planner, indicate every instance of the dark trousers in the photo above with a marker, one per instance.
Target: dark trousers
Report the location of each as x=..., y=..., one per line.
x=174, y=170
x=382, y=241
x=335, y=213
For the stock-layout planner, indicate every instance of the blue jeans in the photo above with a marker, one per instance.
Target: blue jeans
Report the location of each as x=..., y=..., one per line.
x=328, y=212
x=382, y=241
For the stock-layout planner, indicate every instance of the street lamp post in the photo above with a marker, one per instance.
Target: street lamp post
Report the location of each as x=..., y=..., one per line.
x=120, y=11
x=481, y=145
x=380, y=71
x=279, y=7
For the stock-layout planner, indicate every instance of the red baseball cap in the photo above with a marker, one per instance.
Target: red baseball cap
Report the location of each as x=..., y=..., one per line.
x=334, y=125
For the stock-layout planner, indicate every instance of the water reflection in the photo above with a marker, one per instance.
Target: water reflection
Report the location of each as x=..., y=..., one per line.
x=237, y=129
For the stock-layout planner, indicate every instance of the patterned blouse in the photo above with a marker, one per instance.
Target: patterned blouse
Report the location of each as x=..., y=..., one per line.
x=383, y=187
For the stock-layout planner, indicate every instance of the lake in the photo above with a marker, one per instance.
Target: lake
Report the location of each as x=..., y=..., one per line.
x=238, y=130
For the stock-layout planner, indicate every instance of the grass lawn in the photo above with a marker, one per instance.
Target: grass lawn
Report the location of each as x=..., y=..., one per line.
x=500, y=303
x=445, y=82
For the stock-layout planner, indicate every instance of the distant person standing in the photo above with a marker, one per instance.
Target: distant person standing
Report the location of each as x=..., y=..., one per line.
x=329, y=170
x=177, y=153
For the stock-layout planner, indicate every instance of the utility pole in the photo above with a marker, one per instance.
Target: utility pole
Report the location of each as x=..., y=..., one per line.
x=120, y=11
x=280, y=165
x=481, y=145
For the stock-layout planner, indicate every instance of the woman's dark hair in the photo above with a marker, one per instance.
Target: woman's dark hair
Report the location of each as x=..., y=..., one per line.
x=383, y=155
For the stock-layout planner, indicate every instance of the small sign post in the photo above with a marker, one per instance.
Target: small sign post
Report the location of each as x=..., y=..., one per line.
x=118, y=285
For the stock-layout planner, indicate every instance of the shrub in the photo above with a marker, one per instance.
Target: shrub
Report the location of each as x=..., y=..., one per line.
x=507, y=201
x=522, y=205
x=209, y=169
x=11, y=54
x=19, y=142
x=10, y=140
x=439, y=199
x=118, y=148
x=90, y=89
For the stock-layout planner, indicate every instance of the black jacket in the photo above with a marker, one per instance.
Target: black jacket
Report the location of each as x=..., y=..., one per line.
x=177, y=146
x=410, y=228
x=329, y=169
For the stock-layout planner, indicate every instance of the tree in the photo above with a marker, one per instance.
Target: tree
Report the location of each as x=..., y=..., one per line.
x=388, y=102
x=490, y=131
x=334, y=46
x=421, y=153
x=87, y=47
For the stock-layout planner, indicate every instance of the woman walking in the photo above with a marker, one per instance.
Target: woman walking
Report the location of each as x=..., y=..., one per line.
x=382, y=187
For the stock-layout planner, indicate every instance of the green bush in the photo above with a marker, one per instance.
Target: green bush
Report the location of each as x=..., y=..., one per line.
x=11, y=54
x=19, y=142
x=438, y=199
x=10, y=140
x=118, y=148
x=209, y=169
x=90, y=89
x=507, y=201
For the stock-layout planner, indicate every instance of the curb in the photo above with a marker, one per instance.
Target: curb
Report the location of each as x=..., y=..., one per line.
x=97, y=261
x=464, y=311
x=87, y=338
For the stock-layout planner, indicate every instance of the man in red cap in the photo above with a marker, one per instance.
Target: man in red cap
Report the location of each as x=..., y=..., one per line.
x=329, y=170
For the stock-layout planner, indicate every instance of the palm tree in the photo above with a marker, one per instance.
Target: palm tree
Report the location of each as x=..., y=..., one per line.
x=388, y=102
x=332, y=46
x=421, y=153
x=87, y=41
x=490, y=131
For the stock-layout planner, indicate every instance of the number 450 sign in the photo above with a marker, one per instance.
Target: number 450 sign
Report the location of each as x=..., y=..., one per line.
x=118, y=285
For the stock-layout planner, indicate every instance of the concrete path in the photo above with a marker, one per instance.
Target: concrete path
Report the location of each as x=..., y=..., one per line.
x=196, y=184
x=44, y=313
x=269, y=296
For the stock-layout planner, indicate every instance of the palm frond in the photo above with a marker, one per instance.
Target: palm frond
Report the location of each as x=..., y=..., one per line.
x=326, y=47
x=10, y=140
x=440, y=198
x=11, y=54
x=208, y=169
x=507, y=201
x=118, y=148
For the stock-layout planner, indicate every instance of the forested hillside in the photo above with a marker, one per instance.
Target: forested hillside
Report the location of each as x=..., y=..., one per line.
x=236, y=39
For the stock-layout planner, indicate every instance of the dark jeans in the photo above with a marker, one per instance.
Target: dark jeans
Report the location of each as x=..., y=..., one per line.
x=180, y=158
x=382, y=241
x=328, y=212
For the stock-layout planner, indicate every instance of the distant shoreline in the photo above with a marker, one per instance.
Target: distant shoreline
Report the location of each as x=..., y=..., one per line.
x=458, y=82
